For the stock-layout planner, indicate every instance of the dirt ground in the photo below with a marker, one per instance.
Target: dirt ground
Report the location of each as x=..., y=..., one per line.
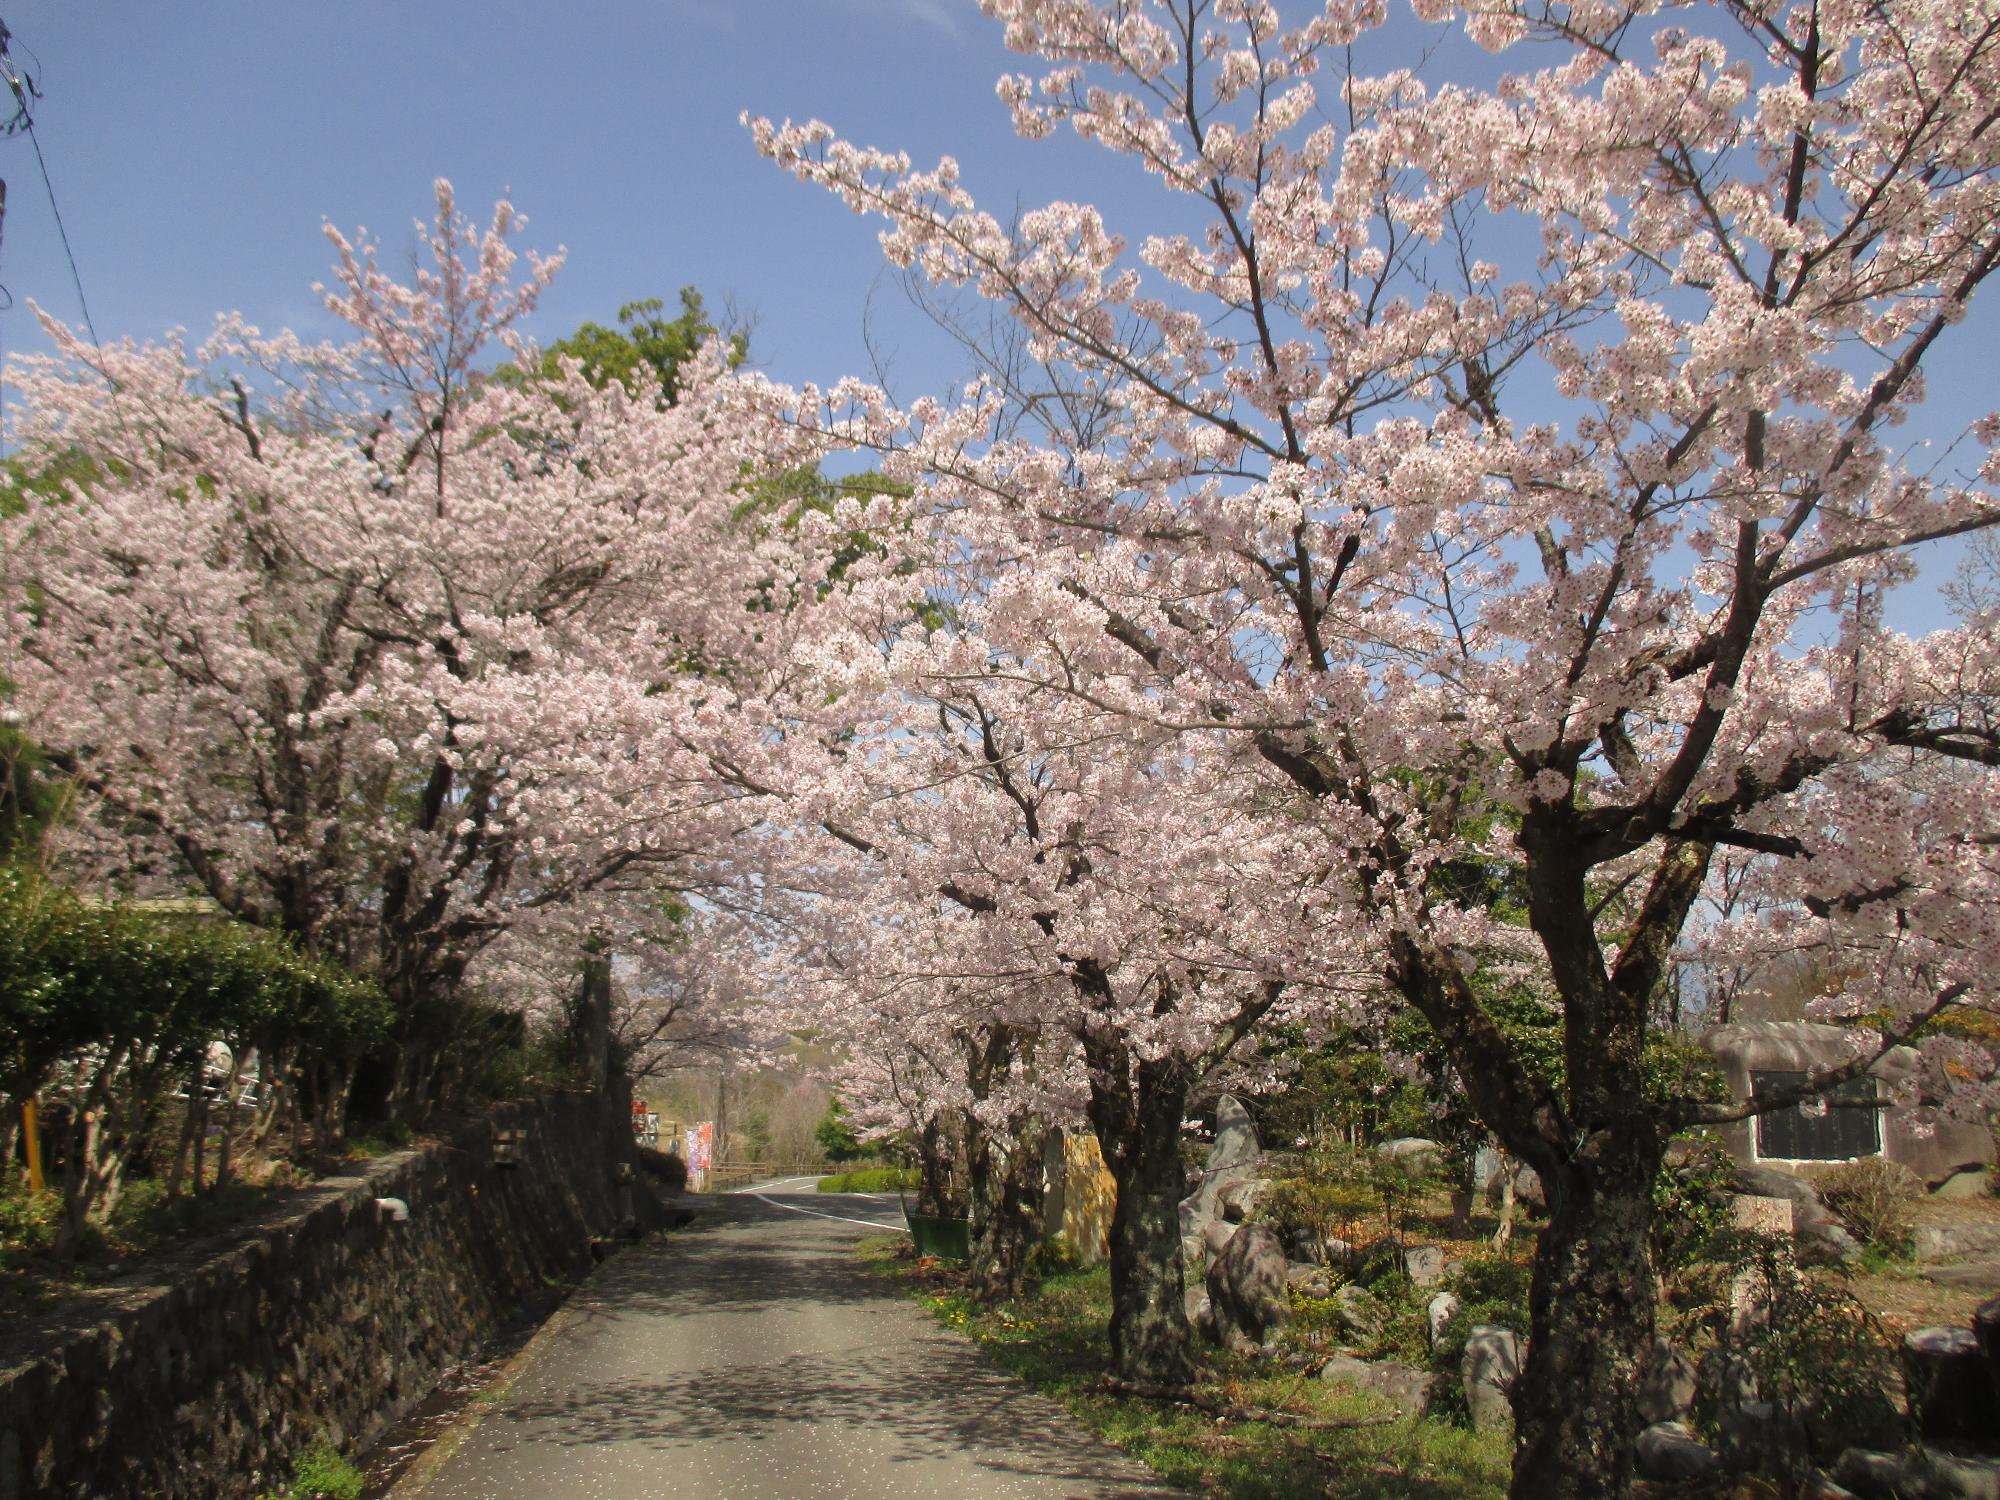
x=1904, y=1299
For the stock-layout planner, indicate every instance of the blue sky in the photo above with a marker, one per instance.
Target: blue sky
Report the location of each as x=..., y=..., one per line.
x=195, y=150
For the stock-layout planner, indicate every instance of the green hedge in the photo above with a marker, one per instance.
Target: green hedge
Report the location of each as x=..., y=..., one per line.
x=76, y=975
x=870, y=1180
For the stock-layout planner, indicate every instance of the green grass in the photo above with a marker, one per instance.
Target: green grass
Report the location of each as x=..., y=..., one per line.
x=143, y=1220
x=320, y=1473
x=1056, y=1340
x=870, y=1180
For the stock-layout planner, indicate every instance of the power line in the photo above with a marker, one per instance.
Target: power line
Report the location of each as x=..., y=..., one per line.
x=24, y=120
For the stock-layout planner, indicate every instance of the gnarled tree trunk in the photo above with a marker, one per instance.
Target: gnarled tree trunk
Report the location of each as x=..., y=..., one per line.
x=1136, y=1109
x=1004, y=1172
x=1590, y=1332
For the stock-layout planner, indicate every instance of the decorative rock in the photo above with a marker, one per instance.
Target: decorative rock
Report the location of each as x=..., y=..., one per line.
x=1491, y=1364
x=1442, y=1309
x=1926, y=1474
x=1416, y=1154
x=1361, y=1313
x=1935, y=1145
x=1201, y=1317
x=1762, y=1215
x=1986, y=1328
x=1402, y=1386
x=1671, y=1452
x=1971, y=1275
x=1309, y=1280
x=1489, y=1171
x=1951, y=1391
x=1235, y=1136
x=1980, y=1241
x=1424, y=1264
x=1828, y=1241
x=1973, y=1182
x=1200, y=1206
x=1246, y=1285
x=1773, y=1182
x=1529, y=1192
x=1667, y=1388
x=1238, y=1200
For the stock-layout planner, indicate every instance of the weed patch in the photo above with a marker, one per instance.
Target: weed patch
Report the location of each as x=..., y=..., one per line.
x=1056, y=1340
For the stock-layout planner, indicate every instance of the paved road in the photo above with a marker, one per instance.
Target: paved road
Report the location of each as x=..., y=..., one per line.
x=750, y=1357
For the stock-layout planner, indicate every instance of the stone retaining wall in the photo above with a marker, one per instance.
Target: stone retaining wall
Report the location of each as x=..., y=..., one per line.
x=327, y=1318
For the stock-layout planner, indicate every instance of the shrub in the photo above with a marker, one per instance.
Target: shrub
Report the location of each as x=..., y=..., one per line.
x=1338, y=1189
x=1691, y=1202
x=1490, y=1290
x=27, y=1222
x=320, y=1473
x=1761, y=1327
x=1875, y=1198
x=871, y=1180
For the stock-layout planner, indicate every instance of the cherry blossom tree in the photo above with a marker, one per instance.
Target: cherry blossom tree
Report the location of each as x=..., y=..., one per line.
x=364, y=643
x=1528, y=445
x=1069, y=917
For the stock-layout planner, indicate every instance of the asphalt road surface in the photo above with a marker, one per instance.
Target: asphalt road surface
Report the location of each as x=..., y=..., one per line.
x=751, y=1357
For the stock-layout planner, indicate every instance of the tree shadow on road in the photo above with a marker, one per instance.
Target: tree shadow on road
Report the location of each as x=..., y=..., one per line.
x=912, y=1391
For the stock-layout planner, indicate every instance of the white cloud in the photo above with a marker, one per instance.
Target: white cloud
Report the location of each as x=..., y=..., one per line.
x=936, y=14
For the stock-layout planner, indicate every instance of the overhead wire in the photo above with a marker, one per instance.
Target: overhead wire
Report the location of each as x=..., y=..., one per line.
x=23, y=121
x=25, y=87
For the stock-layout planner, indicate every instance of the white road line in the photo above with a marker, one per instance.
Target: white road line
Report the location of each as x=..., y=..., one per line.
x=843, y=1218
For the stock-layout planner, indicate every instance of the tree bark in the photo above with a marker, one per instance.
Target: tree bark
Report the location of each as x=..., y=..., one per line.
x=1136, y=1109
x=1007, y=1193
x=1003, y=1171
x=1591, y=1313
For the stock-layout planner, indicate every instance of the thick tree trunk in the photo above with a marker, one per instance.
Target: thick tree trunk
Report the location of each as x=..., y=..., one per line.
x=1003, y=1170
x=937, y=1169
x=1007, y=1193
x=1591, y=1330
x=1136, y=1108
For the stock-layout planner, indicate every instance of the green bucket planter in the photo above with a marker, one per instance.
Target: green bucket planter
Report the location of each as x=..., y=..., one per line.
x=947, y=1239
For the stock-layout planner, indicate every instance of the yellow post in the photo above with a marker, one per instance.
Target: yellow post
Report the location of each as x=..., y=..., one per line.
x=31, y=1127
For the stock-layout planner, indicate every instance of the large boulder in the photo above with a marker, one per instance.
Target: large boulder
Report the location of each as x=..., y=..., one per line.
x=1246, y=1287
x=1441, y=1310
x=1489, y=1368
x=1238, y=1199
x=1202, y=1206
x=1424, y=1265
x=1489, y=1172
x=1951, y=1389
x=1528, y=1190
x=1414, y=1154
x=1923, y=1474
x=1404, y=1387
x=1667, y=1386
x=1976, y=1240
x=1973, y=1182
x=1236, y=1142
x=1671, y=1453
x=1362, y=1315
x=1216, y=1235
x=1986, y=1328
